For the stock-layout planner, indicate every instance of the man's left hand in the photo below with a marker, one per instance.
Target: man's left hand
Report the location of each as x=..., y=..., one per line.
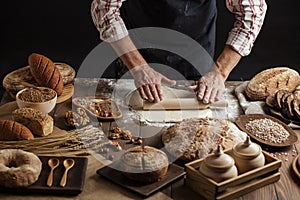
x=210, y=87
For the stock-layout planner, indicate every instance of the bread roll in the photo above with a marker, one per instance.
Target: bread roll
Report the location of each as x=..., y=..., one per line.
x=45, y=72
x=144, y=164
x=269, y=81
x=39, y=123
x=11, y=131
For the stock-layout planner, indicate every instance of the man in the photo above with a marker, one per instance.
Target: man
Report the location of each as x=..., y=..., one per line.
x=195, y=18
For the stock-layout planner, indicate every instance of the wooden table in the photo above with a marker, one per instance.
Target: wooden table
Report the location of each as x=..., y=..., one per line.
x=97, y=187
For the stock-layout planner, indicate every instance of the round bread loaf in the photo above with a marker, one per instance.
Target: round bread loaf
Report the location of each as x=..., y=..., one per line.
x=269, y=81
x=18, y=168
x=13, y=131
x=195, y=138
x=45, y=72
x=144, y=164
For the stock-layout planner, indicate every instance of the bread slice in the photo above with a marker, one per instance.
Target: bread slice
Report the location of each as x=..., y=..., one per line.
x=269, y=81
x=296, y=108
x=14, y=131
x=45, y=72
x=287, y=110
x=278, y=96
x=39, y=123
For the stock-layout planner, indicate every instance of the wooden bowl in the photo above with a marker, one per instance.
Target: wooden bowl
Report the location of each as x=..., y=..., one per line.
x=242, y=120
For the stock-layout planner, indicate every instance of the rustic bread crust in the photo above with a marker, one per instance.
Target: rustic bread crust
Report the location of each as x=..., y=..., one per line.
x=195, y=138
x=39, y=123
x=13, y=131
x=144, y=164
x=269, y=81
x=45, y=72
x=18, y=168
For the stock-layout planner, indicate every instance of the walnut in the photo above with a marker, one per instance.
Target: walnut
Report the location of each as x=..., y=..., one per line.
x=78, y=118
x=126, y=135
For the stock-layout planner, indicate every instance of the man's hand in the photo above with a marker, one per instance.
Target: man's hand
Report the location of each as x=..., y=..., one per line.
x=210, y=87
x=148, y=81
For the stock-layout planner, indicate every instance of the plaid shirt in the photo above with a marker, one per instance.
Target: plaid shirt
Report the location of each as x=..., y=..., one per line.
x=249, y=17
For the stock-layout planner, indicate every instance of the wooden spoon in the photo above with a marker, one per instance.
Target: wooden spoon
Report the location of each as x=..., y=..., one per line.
x=53, y=163
x=68, y=163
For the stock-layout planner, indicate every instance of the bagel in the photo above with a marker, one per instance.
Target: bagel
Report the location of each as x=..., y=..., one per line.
x=18, y=168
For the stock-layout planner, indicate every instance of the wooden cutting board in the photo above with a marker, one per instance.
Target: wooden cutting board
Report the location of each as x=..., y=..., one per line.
x=75, y=181
x=12, y=81
x=174, y=173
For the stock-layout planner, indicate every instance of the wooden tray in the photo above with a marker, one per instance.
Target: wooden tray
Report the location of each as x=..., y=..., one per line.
x=174, y=173
x=88, y=102
x=12, y=81
x=67, y=93
x=242, y=120
x=277, y=114
x=234, y=187
x=75, y=182
x=296, y=166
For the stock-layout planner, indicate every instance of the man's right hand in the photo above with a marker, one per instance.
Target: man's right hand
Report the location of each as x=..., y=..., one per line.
x=148, y=82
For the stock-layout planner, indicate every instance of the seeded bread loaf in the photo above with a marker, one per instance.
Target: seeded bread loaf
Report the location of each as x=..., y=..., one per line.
x=39, y=123
x=13, y=131
x=144, y=164
x=269, y=81
x=45, y=72
x=195, y=138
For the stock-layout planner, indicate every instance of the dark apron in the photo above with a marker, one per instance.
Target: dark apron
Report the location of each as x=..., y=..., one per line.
x=195, y=18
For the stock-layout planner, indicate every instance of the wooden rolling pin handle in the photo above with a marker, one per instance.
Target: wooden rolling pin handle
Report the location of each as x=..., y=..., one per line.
x=219, y=104
x=181, y=104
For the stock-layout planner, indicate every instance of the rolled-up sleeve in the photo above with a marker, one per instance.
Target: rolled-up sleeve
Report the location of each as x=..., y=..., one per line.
x=249, y=18
x=106, y=17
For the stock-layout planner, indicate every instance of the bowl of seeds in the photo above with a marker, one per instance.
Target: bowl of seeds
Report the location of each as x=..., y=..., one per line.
x=39, y=98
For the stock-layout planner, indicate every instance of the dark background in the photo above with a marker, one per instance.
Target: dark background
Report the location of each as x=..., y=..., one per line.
x=63, y=31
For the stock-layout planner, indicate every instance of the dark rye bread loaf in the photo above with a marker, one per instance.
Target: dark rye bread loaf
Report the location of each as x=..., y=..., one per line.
x=45, y=72
x=269, y=81
x=13, y=131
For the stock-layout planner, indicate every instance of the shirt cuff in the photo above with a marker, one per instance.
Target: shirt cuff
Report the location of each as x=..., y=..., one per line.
x=240, y=43
x=116, y=31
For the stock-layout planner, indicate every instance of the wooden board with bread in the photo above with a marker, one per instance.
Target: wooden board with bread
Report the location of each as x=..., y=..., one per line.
x=285, y=105
x=279, y=88
x=269, y=81
x=42, y=72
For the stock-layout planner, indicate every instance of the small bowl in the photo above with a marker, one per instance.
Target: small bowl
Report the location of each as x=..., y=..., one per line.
x=44, y=105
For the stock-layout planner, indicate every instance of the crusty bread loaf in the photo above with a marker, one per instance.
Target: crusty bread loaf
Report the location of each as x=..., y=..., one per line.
x=195, y=138
x=45, y=72
x=144, y=164
x=269, y=81
x=39, y=123
x=12, y=131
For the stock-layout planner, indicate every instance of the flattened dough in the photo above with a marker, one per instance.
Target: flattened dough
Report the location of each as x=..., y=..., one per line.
x=134, y=101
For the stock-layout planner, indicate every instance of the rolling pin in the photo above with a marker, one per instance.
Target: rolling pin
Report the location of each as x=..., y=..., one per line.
x=182, y=104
